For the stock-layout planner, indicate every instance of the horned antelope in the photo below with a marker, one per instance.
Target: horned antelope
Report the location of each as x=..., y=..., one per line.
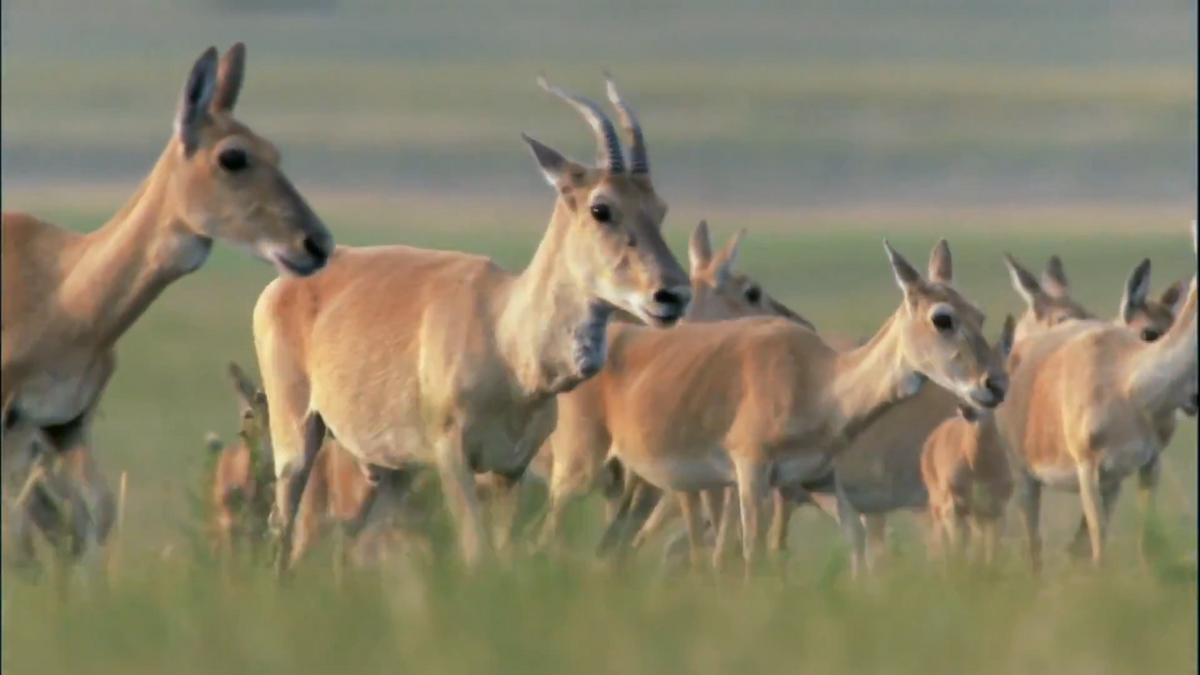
x=463, y=372
x=964, y=464
x=240, y=490
x=769, y=403
x=576, y=455
x=68, y=297
x=1091, y=403
x=880, y=470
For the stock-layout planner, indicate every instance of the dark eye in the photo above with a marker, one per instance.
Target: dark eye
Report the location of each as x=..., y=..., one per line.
x=1150, y=335
x=1062, y=319
x=754, y=294
x=601, y=213
x=943, y=321
x=233, y=160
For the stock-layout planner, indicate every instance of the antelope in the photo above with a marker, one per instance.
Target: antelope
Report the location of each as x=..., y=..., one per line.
x=762, y=402
x=464, y=371
x=880, y=470
x=240, y=492
x=1091, y=403
x=68, y=297
x=574, y=460
x=964, y=465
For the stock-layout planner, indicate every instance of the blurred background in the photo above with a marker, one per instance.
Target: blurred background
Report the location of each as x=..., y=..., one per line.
x=779, y=102
x=1064, y=126
x=822, y=126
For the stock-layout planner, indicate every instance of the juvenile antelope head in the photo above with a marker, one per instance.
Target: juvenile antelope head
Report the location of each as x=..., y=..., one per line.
x=608, y=219
x=719, y=291
x=226, y=180
x=1049, y=300
x=941, y=333
x=242, y=475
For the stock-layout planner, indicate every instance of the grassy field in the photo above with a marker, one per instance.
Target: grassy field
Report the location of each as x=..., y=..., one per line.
x=172, y=615
x=822, y=126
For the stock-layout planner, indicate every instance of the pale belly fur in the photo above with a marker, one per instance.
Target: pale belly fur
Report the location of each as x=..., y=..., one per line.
x=61, y=392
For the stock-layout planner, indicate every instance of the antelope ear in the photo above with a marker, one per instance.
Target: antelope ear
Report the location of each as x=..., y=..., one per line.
x=556, y=168
x=1137, y=289
x=700, y=253
x=194, y=101
x=1173, y=295
x=230, y=74
x=1054, y=278
x=1023, y=281
x=941, y=265
x=726, y=259
x=907, y=276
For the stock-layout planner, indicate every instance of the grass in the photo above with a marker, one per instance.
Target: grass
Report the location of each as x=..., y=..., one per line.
x=174, y=615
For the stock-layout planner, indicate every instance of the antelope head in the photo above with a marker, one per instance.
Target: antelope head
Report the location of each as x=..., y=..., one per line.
x=1048, y=301
x=720, y=292
x=226, y=181
x=608, y=218
x=1000, y=354
x=1148, y=317
x=941, y=332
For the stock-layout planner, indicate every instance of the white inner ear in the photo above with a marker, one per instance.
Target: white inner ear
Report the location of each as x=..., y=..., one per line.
x=551, y=176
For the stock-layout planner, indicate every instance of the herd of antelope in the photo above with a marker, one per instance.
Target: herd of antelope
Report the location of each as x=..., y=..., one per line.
x=601, y=367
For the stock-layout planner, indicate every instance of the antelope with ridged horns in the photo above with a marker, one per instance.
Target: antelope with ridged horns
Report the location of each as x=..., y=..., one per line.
x=761, y=402
x=575, y=457
x=1091, y=403
x=461, y=371
x=69, y=297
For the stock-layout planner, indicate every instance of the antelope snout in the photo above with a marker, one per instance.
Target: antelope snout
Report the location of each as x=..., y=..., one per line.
x=991, y=391
x=1193, y=405
x=667, y=305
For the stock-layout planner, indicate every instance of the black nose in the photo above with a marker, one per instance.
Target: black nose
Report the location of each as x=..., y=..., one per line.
x=317, y=247
x=997, y=385
x=672, y=300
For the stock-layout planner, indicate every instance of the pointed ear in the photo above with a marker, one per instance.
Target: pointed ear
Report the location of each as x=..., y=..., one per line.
x=726, y=259
x=1005, y=343
x=1023, y=281
x=194, y=101
x=245, y=387
x=941, y=265
x=260, y=400
x=1054, y=278
x=1172, y=296
x=229, y=78
x=907, y=277
x=554, y=165
x=1137, y=289
x=700, y=253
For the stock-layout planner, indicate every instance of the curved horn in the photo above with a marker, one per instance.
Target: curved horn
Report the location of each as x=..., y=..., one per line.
x=638, y=161
x=609, y=148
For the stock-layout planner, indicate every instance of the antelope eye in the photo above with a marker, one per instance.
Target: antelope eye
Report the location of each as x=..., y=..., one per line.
x=943, y=321
x=1150, y=335
x=754, y=294
x=233, y=160
x=601, y=213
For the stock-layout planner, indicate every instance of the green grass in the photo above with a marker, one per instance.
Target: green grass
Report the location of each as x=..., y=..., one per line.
x=172, y=614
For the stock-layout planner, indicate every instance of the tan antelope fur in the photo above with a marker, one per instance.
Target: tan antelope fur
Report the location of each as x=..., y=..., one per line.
x=575, y=458
x=461, y=370
x=1091, y=403
x=880, y=470
x=69, y=297
x=964, y=465
x=762, y=402
x=240, y=491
